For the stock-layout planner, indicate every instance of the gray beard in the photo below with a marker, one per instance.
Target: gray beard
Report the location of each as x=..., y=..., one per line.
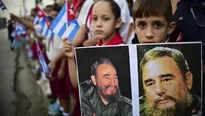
x=182, y=107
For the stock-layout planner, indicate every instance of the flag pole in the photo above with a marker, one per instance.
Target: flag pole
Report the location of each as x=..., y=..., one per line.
x=66, y=1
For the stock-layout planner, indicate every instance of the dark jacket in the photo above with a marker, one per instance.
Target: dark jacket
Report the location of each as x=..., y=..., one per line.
x=91, y=103
x=190, y=16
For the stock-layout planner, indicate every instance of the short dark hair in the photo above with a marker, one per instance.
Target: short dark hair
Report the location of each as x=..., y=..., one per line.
x=99, y=62
x=56, y=7
x=114, y=7
x=158, y=52
x=146, y=8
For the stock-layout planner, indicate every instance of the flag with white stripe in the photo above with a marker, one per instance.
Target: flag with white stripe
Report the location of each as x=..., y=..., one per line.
x=65, y=25
x=41, y=58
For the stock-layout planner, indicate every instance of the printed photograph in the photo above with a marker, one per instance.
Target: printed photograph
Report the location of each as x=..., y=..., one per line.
x=104, y=81
x=170, y=79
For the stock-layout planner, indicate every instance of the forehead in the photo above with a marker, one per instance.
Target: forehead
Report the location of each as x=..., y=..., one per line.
x=151, y=19
x=160, y=66
x=102, y=7
x=102, y=68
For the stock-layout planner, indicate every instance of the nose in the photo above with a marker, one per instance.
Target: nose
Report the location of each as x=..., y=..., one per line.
x=159, y=89
x=149, y=33
x=99, y=23
x=113, y=82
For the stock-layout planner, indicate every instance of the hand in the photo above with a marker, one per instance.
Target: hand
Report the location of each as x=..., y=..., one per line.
x=48, y=76
x=14, y=17
x=68, y=49
x=61, y=74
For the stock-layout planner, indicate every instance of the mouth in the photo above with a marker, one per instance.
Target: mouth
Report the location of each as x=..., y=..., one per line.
x=98, y=32
x=162, y=101
x=111, y=88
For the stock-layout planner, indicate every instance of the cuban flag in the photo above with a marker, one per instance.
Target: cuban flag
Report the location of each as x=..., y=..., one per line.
x=45, y=31
x=42, y=19
x=43, y=64
x=20, y=29
x=40, y=12
x=3, y=7
x=65, y=25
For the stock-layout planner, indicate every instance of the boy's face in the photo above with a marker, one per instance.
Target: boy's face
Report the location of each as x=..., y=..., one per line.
x=153, y=29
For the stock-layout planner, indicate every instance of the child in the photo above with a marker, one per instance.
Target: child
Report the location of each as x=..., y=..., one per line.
x=152, y=21
x=84, y=36
x=105, y=23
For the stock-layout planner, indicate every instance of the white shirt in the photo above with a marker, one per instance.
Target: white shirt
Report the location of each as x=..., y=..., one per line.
x=53, y=48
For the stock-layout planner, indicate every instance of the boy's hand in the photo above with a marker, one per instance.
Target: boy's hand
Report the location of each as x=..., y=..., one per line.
x=68, y=49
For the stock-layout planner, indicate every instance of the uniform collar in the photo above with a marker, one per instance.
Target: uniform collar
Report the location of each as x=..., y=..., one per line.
x=117, y=39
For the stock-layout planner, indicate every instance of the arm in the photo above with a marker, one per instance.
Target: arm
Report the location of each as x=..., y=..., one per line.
x=26, y=23
x=69, y=52
x=72, y=72
x=80, y=36
x=61, y=72
x=52, y=64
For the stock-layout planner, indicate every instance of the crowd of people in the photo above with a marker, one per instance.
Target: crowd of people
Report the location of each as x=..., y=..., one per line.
x=104, y=23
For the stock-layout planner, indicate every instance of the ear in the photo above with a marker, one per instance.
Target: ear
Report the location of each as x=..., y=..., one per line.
x=132, y=24
x=171, y=27
x=118, y=23
x=93, y=79
x=189, y=80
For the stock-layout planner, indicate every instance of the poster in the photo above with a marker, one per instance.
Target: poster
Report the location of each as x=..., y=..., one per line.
x=140, y=80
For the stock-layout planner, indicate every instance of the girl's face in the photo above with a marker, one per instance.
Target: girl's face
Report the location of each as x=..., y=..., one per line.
x=153, y=29
x=104, y=23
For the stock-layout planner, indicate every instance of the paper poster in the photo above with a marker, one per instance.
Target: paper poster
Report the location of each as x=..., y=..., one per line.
x=140, y=80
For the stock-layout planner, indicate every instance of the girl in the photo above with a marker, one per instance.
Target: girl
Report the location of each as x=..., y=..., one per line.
x=84, y=36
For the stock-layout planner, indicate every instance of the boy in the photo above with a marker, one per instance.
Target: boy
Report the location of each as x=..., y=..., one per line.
x=152, y=21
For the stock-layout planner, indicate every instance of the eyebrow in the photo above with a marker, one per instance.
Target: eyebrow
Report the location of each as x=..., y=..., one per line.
x=141, y=21
x=94, y=14
x=166, y=75
x=148, y=80
x=108, y=75
x=160, y=76
x=158, y=21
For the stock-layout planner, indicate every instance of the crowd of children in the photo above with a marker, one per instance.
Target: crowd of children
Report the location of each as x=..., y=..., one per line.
x=102, y=23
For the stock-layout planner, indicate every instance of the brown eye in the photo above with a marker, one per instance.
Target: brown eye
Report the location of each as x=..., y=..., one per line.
x=166, y=79
x=94, y=18
x=149, y=84
x=106, y=19
x=141, y=25
x=157, y=25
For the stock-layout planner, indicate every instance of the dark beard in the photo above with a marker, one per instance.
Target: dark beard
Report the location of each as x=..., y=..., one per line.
x=182, y=107
x=110, y=98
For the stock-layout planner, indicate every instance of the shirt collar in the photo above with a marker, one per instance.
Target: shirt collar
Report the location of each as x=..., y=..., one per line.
x=117, y=39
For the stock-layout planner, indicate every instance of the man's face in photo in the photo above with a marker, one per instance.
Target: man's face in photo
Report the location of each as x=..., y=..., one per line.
x=165, y=88
x=107, y=82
